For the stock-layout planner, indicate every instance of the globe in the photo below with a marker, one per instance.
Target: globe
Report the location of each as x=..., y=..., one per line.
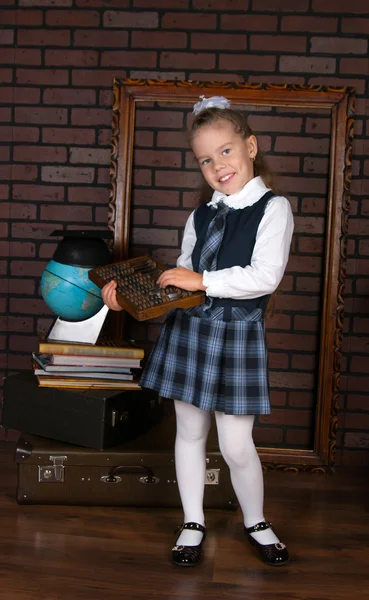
x=65, y=285
x=69, y=293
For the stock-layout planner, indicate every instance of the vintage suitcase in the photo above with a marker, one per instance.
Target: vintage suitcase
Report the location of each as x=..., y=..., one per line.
x=95, y=419
x=137, y=473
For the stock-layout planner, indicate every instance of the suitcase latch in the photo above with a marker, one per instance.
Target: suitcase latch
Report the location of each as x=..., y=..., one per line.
x=212, y=476
x=52, y=473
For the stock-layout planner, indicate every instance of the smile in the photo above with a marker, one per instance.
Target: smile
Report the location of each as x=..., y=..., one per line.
x=226, y=178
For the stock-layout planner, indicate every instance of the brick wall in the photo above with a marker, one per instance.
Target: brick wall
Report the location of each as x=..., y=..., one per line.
x=57, y=62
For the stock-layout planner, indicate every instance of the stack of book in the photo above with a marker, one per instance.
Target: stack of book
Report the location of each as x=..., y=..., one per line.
x=107, y=365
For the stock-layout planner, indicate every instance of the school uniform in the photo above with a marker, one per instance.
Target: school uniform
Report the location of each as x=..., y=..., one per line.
x=214, y=356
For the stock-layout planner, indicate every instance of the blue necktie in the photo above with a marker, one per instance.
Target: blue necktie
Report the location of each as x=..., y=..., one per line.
x=214, y=236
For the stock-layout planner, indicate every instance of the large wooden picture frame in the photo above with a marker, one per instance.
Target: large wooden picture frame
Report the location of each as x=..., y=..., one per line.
x=338, y=103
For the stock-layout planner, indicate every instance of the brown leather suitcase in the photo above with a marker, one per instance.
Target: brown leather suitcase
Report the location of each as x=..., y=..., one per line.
x=138, y=473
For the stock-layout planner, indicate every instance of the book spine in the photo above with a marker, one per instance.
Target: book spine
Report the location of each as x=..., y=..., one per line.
x=74, y=349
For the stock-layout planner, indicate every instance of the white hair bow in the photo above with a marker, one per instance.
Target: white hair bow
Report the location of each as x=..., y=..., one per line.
x=213, y=102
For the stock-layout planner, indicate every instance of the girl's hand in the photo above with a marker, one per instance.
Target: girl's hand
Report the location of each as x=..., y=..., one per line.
x=182, y=278
x=109, y=295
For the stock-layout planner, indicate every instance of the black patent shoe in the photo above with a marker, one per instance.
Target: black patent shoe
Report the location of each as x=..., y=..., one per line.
x=188, y=556
x=271, y=554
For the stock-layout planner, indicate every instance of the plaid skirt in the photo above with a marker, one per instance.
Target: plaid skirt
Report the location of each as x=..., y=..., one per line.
x=213, y=364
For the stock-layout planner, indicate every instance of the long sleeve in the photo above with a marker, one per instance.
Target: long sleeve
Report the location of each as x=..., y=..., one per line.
x=269, y=258
x=188, y=243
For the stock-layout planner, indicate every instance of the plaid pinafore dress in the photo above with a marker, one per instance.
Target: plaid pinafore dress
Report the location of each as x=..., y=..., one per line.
x=214, y=356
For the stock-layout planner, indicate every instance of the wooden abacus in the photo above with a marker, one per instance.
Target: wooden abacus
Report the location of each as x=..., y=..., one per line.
x=137, y=290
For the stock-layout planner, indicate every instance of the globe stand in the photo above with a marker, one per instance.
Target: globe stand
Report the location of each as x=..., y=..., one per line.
x=82, y=332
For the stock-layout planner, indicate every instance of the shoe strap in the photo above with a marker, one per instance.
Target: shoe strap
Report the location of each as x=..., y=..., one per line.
x=259, y=527
x=193, y=526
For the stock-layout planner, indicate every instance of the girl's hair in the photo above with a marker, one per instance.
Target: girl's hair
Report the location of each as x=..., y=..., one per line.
x=240, y=125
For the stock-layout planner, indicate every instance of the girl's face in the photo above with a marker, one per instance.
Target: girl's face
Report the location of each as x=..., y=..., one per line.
x=224, y=156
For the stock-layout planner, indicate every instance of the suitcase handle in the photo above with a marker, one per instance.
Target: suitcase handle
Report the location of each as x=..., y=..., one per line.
x=149, y=475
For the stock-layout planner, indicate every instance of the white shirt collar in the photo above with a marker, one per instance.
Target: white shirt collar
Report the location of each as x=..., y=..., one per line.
x=247, y=196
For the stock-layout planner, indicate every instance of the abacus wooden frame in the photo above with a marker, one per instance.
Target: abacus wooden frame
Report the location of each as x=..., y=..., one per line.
x=340, y=104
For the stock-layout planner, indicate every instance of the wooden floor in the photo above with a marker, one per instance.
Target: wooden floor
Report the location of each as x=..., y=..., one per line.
x=84, y=553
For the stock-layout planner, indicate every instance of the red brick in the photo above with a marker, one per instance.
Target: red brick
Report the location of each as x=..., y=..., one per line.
x=299, y=437
x=291, y=341
x=278, y=360
x=358, y=25
x=128, y=20
x=154, y=197
x=119, y=3
x=306, y=64
x=103, y=176
x=356, y=402
x=37, y=192
x=302, y=145
x=19, y=95
x=19, y=268
x=96, y=77
x=153, y=236
x=22, y=343
x=307, y=185
x=140, y=216
x=29, y=231
x=306, y=322
x=304, y=362
x=43, y=37
x=90, y=155
x=267, y=435
x=20, y=324
x=338, y=45
x=357, y=421
x=106, y=98
x=24, y=287
x=158, y=39
x=158, y=158
x=187, y=60
x=311, y=245
x=340, y=6
x=91, y=116
x=285, y=416
x=97, y=38
x=278, y=321
x=42, y=76
x=68, y=174
x=188, y=21
x=57, y=116
x=142, y=138
x=4, y=153
x=157, y=119
x=5, y=114
x=142, y=177
x=19, y=172
x=317, y=125
x=73, y=18
x=245, y=62
x=308, y=284
x=20, y=56
x=128, y=58
x=288, y=379
x=25, y=249
x=166, y=75
x=63, y=212
x=67, y=135
x=275, y=123
x=364, y=247
x=171, y=218
x=7, y=37
x=219, y=76
x=21, y=17
x=354, y=65
x=311, y=24
x=316, y=165
x=73, y=58
x=249, y=22
x=280, y=5
x=4, y=228
x=4, y=190
x=218, y=41
x=177, y=180
x=69, y=96
x=23, y=211
x=6, y=75
x=284, y=164
x=160, y=4
x=40, y=154
x=226, y=5
x=279, y=43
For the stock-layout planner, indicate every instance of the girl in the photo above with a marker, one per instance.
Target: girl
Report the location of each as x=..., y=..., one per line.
x=212, y=358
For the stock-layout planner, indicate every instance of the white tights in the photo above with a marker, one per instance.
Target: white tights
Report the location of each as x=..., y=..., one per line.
x=238, y=449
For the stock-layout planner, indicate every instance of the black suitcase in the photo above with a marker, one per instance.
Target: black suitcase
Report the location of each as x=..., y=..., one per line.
x=95, y=419
x=137, y=473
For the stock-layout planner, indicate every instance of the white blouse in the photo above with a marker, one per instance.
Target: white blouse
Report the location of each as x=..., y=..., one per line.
x=271, y=251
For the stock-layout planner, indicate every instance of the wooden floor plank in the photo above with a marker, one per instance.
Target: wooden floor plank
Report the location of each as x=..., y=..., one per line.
x=101, y=553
